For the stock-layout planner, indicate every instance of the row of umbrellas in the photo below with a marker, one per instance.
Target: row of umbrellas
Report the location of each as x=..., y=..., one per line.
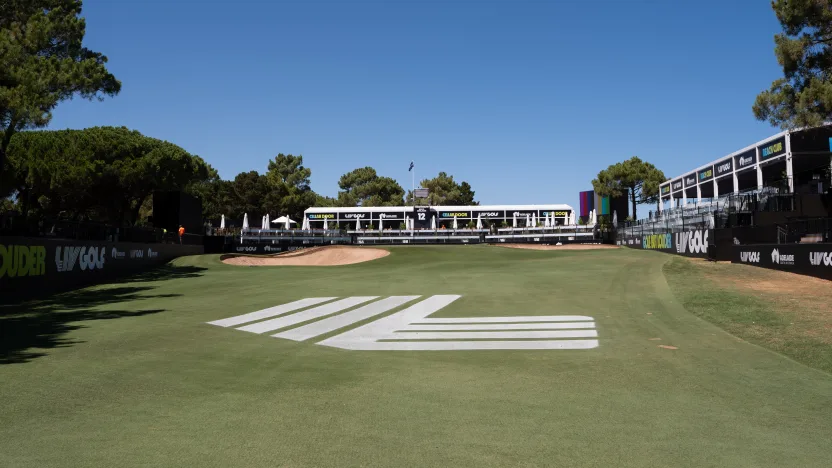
x=531, y=220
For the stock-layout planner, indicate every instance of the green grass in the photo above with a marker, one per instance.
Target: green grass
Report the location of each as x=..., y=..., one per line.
x=129, y=374
x=760, y=318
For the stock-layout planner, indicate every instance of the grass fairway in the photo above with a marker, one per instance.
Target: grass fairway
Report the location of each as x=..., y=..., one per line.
x=131, y=375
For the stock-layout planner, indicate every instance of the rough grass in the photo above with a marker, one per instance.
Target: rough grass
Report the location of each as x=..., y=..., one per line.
x=130, y=375
x=787, y=313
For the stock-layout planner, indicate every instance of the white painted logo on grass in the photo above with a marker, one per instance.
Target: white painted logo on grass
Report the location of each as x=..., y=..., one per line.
x=411, y=329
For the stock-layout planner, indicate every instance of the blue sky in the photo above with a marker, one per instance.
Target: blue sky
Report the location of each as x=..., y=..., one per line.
x=526, y=100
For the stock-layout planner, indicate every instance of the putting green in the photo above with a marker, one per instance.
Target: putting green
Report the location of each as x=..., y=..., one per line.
x=130, y=374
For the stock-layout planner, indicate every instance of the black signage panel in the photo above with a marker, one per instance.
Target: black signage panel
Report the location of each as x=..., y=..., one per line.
x=421, y=217
x=724, y=168
x=520, y=213
x=320, y=216
x=454, y=214
x=690, y=180
x=556, y=214
x=353, y=216
x=745, y=161
x=389, y=215
x=773, y=149
x=38, y=265
x=489, y=214
x=705, y=174
x=676, y=185
x=806, y=259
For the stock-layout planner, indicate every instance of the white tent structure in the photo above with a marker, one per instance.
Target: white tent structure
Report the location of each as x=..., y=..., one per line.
x=222, y=222
x=455, y=222
x=479, y=222
x=287, y=222
x=245, y=220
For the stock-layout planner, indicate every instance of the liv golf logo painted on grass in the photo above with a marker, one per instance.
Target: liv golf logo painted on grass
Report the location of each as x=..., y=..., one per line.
x=410, y=329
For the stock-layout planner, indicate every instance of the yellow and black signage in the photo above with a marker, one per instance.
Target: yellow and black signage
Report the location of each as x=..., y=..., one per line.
x=321, y=216
x=665, y=189
x=454, y=214
x=775, y=148
x=22, y=260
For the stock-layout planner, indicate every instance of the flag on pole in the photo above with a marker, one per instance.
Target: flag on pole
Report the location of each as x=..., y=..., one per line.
x=411, y=167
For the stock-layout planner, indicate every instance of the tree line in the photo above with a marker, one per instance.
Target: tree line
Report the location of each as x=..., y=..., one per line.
x=109, y=175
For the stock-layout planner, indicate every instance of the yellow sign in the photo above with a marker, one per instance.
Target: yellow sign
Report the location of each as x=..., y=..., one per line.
x=321, y=216
x=22, y=260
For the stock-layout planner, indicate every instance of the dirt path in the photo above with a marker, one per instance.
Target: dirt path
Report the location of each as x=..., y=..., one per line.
x=319, y=256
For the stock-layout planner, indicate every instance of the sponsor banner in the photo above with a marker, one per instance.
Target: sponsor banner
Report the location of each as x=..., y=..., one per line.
x=724, y=168
x=657, y=241
x=389, y=215
x=556, y=214
x=705, y=174
x=692, y=242
x=690, y=180
x=488, y=214
x=454, y=214
x=773, y=149
x=689, y=243
x=676, y=185
x=353, y=216
x=745, y=161
x=521, y=213
x=39, y=266
x=421, y=217
x=665, y=191
x=320, y=216
x=806, y=259
x=258, y=249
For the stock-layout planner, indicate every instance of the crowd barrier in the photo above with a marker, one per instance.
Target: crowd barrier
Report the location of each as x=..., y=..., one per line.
x=34, y=266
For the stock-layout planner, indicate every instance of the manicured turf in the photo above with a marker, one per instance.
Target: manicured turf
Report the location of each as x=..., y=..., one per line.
x=131, y=375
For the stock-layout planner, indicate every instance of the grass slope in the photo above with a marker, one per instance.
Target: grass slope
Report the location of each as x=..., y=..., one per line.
x=130, y=375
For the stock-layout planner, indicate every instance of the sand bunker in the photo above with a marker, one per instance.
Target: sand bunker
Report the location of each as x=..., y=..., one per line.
x=558, y=247
x=316, y=256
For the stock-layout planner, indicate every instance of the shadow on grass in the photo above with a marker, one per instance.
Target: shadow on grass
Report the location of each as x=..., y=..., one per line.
x=161, y=273
x=27, y=328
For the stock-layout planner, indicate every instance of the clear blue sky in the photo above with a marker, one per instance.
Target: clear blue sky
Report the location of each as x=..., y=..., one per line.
x=526, y=100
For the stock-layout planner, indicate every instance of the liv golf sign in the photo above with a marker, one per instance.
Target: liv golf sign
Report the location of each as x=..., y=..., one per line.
x=693, y=242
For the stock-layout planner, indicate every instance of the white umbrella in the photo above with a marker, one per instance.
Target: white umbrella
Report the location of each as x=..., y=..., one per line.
x=357, y=224
x=326, y=225
x=528, y=220
x=222, y=222
x=303, y=226
x=267, y=221
x=288, y=224
x=615, y=218
x=454, y=222
x=380, y=224
x=433, y=222
x=572, y=219
x=548, y=222
x=514, y=220
x=534, y=219
x=479, y=222
x=245, y=220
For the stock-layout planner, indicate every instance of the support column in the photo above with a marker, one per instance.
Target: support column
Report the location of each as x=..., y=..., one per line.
x=698, y=194
x=716, y=188
x=736, y=181
x=789, y=163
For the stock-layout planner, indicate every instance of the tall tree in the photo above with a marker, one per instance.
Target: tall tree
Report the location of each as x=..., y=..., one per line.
x=637, y=179
x=289, y=192
x=43, y=62
x=803, y=97
x=444, y=190
x=364, y=187
x=101, y=174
